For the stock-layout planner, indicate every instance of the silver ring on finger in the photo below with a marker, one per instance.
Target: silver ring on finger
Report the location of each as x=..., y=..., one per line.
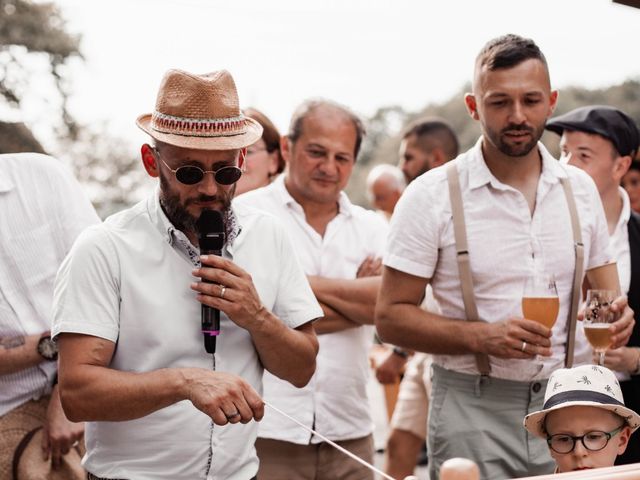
x=524, y=346
x=233, y=415
x=222, y=290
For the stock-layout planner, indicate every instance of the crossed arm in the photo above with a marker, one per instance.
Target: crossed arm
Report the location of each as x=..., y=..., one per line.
x=347, y=303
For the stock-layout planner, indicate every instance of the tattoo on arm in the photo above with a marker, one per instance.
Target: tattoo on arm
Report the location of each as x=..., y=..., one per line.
x=11, y=342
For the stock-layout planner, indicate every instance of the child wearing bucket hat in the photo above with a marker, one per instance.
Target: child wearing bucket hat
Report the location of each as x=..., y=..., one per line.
x=583, y=419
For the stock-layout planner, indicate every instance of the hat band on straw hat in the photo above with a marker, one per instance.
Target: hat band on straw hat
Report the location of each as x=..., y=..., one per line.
x=581, y=396
x=198, y=127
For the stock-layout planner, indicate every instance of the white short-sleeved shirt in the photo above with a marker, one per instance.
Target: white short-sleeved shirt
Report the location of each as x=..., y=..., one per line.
x=335, y=401
x=124, y=281
x=42, y=211
x=506, y=245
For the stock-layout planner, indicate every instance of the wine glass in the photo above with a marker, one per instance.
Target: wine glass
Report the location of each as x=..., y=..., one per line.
x=598, y=317
x=540, y=299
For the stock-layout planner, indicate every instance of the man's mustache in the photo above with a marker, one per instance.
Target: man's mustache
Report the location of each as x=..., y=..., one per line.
x=517, y=128
x=205, y=198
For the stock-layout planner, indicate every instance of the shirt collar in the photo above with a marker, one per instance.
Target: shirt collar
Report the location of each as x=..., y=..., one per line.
x=480, y=175
x=170, y=233
x=345, y=206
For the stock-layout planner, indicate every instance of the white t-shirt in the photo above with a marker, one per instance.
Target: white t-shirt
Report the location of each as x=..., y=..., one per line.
x=506, y=244
x=124, y=281
x=335, y=401
x=42, y=211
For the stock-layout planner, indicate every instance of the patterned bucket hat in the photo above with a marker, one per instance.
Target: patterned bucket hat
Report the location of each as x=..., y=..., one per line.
x=587, y=385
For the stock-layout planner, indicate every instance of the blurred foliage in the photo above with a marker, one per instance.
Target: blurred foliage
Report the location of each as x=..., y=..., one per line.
x=387, y=134
x=34, y=51
x=108, y=168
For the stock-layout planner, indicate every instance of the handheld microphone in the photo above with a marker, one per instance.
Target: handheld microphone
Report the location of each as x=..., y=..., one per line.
x=211, y=236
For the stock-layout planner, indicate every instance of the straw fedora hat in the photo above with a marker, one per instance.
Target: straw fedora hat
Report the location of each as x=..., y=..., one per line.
x=587, y=385
x=28, y=463
x=200, y=112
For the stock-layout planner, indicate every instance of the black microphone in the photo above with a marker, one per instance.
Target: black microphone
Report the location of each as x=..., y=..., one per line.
x=211, y=238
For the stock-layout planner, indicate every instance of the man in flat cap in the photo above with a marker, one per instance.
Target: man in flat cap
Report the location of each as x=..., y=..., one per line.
x=128, y=297
x=603, y=141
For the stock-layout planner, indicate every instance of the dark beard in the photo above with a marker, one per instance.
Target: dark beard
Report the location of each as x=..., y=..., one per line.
x=513, y=150
x=179, y=216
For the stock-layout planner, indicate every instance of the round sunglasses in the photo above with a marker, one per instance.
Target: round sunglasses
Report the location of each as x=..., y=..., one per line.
x=192, y=174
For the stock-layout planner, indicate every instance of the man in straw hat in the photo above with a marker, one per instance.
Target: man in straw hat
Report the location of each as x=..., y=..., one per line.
x=475, y=230
x=43, y=209
x=584, y=419
x=127, y=306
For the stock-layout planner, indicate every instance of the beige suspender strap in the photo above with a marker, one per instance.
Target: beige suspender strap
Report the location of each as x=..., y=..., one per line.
x=578, y=271
x=462, y=256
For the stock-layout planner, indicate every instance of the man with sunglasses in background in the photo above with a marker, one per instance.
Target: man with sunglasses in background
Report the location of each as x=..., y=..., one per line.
x=128, y=300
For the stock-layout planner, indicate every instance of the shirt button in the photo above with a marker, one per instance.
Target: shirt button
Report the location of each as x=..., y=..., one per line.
x=536, y=387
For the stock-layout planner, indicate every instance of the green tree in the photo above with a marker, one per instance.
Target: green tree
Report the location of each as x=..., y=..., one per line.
x=34, y=45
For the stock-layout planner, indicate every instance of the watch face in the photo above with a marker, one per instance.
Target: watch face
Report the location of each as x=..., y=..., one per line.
x=48, y=348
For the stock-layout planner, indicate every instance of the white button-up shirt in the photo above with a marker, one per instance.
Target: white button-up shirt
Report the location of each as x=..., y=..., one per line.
x=335, y=401
x=128, y=281
x=42, y=211
x=506, y=245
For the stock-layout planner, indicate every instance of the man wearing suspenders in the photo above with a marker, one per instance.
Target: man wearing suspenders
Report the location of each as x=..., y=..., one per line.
x=475, y=230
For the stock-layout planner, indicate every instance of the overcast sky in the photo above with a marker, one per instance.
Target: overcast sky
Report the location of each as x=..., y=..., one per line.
x=366, y=54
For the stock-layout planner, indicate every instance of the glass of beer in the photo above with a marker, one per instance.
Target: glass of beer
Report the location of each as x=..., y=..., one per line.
x=597, y=319
x=540, y=299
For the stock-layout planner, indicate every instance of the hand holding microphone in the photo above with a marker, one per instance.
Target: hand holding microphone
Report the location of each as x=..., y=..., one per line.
x=224, y=286
x=211, y=237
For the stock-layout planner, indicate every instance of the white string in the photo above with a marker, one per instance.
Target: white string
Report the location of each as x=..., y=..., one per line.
x=334, y=445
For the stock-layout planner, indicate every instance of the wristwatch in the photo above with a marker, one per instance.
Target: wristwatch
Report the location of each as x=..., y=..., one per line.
x=48, y=348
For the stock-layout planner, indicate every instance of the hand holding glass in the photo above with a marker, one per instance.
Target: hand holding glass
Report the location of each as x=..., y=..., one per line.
x=598, y=317
x=540, y=300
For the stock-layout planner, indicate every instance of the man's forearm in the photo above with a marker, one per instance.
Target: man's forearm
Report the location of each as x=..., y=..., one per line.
x=287, y=353
x=332, y=321
x=18, y=353
x=354, y=299
x=424, y=331
x=96, y=393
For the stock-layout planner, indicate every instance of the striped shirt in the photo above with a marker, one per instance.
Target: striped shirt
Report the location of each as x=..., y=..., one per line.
x=42, y=210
